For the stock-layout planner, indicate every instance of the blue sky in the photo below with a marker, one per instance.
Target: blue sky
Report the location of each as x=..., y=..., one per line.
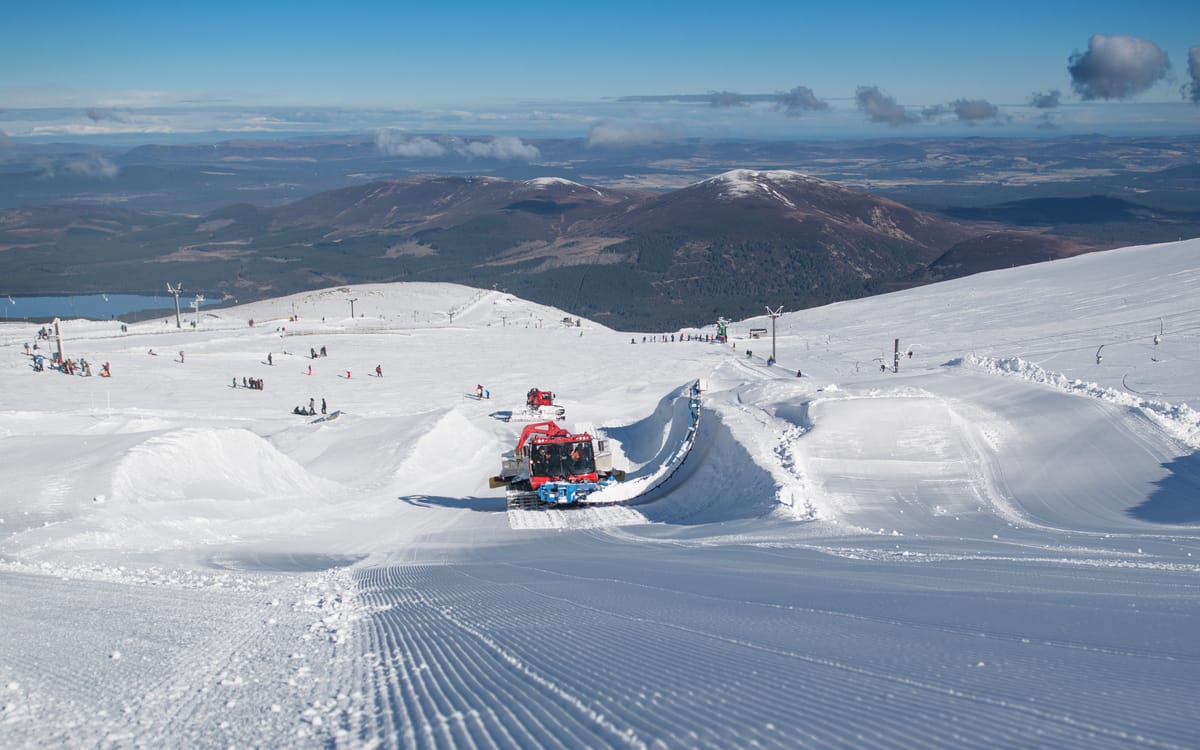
x=540, y=67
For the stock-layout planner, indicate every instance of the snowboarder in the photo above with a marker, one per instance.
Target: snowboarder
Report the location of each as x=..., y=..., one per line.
x=799, y=374
x=312, y=406
x=379, y=371
x=269, y=360
x=312, y=352
x=323, y=351
x=478, y=391
x=310, y=369
x=180, y=356
x=347, y=374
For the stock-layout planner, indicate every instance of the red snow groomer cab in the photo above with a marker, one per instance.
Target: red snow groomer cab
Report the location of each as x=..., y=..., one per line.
x=558, y=466
x=539, y=405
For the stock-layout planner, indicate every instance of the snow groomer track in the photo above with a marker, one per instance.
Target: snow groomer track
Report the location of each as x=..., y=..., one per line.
x=611, y=506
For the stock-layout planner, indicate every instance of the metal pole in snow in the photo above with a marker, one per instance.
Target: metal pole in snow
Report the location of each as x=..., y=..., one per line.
x=178, y=288
x=774, y=314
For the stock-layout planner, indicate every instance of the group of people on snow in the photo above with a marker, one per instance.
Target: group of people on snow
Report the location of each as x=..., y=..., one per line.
x=311, y=411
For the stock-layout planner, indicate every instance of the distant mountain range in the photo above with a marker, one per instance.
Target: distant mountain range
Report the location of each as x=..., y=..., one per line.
x=633, y=259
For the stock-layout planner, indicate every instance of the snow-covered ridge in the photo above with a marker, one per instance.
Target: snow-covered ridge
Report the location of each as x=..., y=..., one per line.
x=543, y=183
x=744, y=183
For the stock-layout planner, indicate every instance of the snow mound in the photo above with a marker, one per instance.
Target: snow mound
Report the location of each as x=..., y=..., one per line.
x=221, y=464
x=449, y=455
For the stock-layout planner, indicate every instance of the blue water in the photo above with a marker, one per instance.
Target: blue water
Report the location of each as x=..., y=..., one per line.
x=90, y=306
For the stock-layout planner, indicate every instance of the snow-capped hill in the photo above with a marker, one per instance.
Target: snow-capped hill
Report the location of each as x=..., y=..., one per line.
x=772, y=183
x=558, y=184
x=547, y=182
x=751, y=179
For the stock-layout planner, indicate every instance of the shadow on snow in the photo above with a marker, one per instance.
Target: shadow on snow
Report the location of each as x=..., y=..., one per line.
x=1177, y=497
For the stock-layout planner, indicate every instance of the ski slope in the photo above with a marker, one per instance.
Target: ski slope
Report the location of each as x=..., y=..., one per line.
x=997, y=545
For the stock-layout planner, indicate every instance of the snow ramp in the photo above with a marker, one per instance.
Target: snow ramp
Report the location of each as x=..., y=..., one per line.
x=191, y=489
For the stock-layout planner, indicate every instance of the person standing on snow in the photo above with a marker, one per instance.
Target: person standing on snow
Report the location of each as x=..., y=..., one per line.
x=322, y=405
x=479, y=391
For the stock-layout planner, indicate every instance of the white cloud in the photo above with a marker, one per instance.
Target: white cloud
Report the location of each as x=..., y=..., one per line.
x=880, y=107
x=81, y=165
x=1191, y=91
x=1117, y=67
x=396, y=144
x=506, y=147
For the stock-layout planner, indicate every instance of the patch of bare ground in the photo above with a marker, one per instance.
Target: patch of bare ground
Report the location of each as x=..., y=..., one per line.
x=217, y=251
x=409, y=249
x=563, y=252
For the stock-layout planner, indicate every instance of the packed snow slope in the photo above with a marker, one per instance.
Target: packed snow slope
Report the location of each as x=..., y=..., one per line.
x=995, y=543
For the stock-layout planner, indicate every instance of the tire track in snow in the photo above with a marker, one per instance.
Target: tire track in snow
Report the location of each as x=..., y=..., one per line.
x=985, y=722
x=544, y=661
x=453, y=683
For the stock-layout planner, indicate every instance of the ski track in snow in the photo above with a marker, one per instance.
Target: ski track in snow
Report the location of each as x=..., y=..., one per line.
x=961, y=553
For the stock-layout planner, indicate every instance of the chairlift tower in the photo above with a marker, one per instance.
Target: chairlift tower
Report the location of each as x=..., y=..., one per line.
x=196, y=310
x=175, y=291
x=773, y=315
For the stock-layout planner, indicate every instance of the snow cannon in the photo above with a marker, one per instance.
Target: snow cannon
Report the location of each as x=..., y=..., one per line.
x=556, y=466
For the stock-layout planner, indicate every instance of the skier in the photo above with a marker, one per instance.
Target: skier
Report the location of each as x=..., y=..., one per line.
x=323, y=352
x=310, y=369
x=478, y=391
x=181, y=356
x=379, y=371
x=312, y=406
x=269, y=360
x=347, y=374
x=322, y=406
x=799, y=374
